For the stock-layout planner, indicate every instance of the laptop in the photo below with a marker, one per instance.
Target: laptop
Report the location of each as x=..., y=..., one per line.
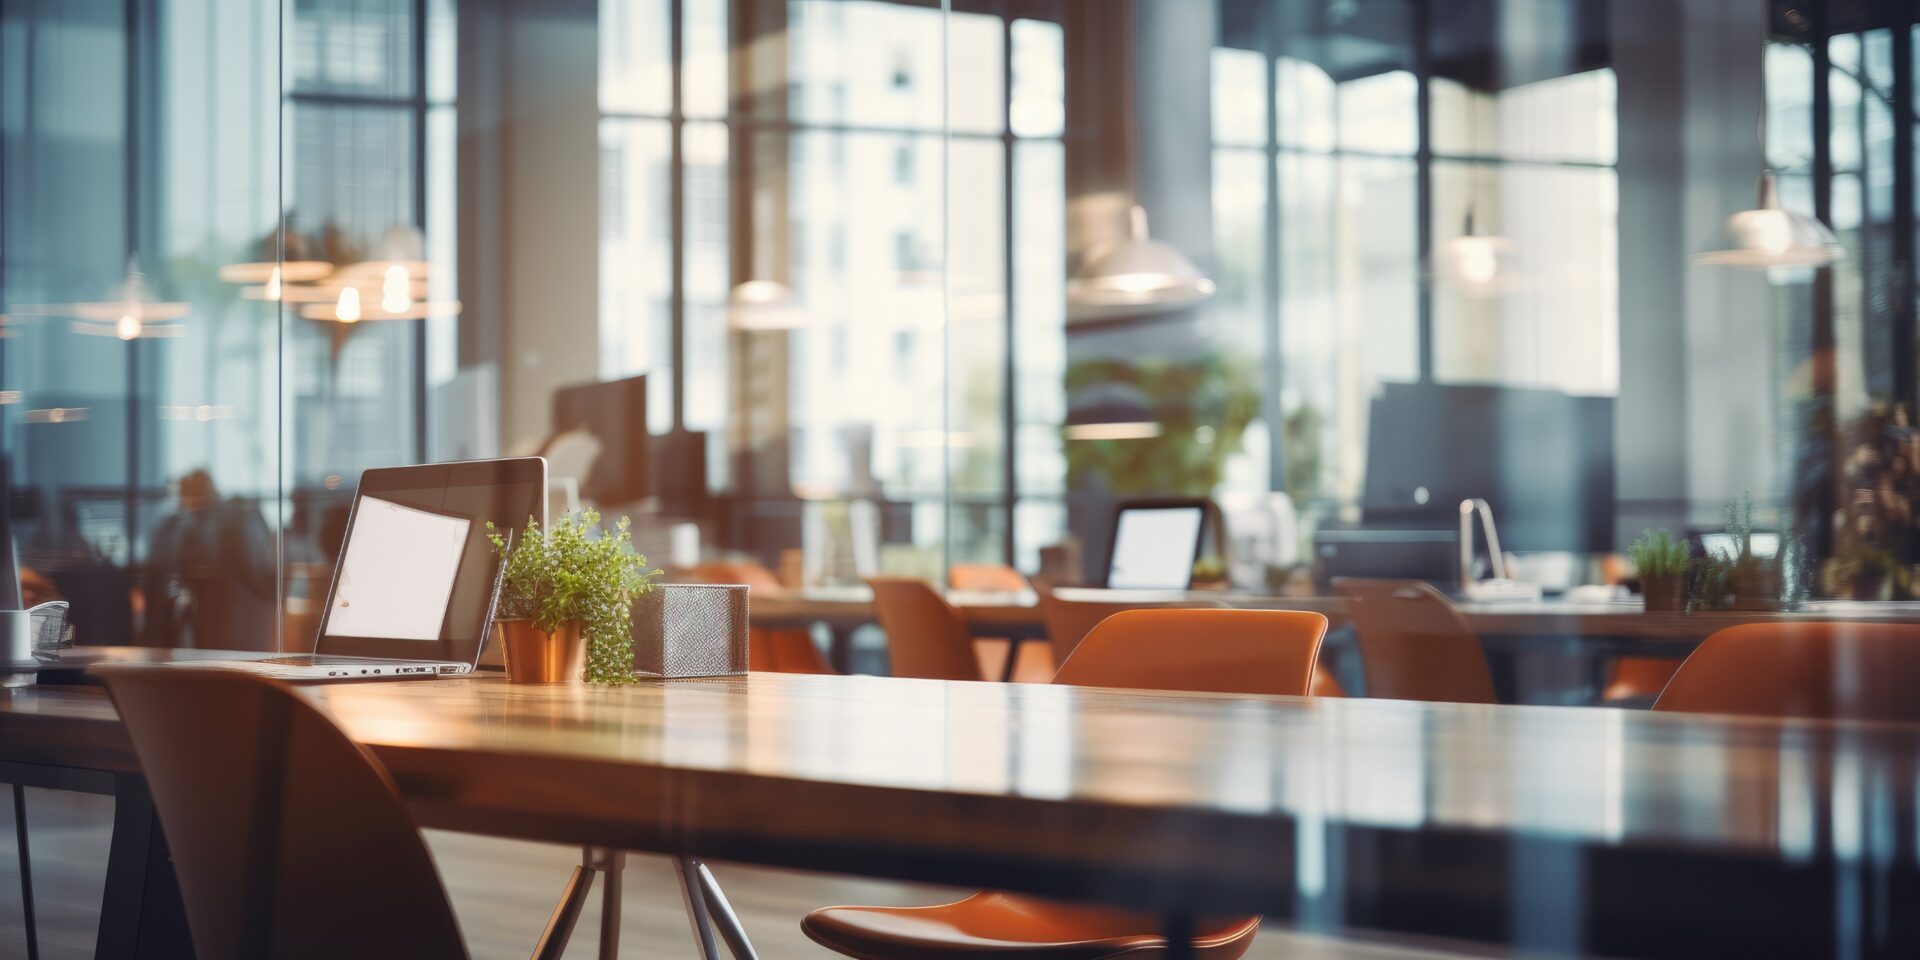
x=1155, y=544
x=413, y=592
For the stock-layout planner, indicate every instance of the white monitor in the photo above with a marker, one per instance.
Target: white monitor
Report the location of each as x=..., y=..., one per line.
x=1155, y=546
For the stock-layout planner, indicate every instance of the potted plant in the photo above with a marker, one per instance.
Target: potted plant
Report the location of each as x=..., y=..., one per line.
x=1662, y=562
x=565, y=600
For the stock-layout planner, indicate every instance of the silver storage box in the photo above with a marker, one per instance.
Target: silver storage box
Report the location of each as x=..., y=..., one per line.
x=690, y=630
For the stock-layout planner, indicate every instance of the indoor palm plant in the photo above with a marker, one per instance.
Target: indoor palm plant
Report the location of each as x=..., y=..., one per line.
x=565, y=599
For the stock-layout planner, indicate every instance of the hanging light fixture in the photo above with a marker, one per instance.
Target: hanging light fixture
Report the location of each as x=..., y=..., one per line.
x=131, y=315
x=1769, y=236
x=758, y=303
x=763, y=305
x=1112, y=411
x=287, y=263
x=1136, y=274
x=1475, y=263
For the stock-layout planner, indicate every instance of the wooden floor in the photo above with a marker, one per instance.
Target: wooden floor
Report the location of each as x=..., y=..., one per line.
x=503, y=890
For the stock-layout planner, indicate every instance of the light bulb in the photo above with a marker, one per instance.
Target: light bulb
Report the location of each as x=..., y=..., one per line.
x=128, y=328
x=273, y=284
x=348, y=309
x=1477, y=261
x=396, y=292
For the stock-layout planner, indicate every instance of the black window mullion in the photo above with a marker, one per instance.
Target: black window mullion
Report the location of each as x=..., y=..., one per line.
x=677, y=213
x=1423, y=178
x=1009, y=393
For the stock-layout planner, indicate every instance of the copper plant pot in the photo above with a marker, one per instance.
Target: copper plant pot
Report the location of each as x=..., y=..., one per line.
x=535, y=656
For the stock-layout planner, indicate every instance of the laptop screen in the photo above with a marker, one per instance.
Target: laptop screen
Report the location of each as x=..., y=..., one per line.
x=415, y=575
x=1154, y=547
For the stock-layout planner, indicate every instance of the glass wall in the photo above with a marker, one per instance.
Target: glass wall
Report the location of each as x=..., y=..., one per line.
x=849, y=245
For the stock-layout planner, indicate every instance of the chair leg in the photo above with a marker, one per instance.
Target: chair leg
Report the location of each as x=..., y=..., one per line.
x=691, y=892
x=26, y=869
x=566, y=913
x=721, y=912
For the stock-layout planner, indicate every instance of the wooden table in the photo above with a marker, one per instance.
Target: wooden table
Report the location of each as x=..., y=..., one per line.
x=1553, y=627
x=1556, y=829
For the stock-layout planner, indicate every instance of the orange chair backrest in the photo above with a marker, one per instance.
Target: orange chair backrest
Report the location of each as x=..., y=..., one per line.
x=756, y=576
x=1414, y=644
x=289, y=839
x=986, y=578
x=1069, y=621
x=926, y=637
x=1854, y=671
x=1260, y=652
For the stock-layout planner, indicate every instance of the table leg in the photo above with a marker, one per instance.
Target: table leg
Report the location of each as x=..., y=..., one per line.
x=566, y=913
x=612, y=865
x=840, y=648
x=1178, y=929
x=26, y=869
x=1013, y=658
x=141, y=914
x=696, y=902
x=720, y=912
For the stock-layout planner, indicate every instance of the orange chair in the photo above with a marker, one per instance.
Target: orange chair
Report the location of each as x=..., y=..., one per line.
x=289, y=839
x=985, y=578
x=768, y=651
x=1639, y=678
x=1220, y=651
x=1414, y=645
x=1069, y=621
x=926, y=637
x=1020, y=660
x=1827, y=671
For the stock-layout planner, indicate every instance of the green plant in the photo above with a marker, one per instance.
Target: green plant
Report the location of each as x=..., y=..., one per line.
x=1658, y=554
x=574, y=571
x=1203, y=406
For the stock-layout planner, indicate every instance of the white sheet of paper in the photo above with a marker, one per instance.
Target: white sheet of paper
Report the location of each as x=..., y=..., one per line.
x=1153, y=548
x=396, y=576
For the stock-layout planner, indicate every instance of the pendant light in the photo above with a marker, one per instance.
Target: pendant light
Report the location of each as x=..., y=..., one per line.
x=1111, y=411
x=1767, y=235
x=1474, y=263
x=1135, y=275
x=132, y=314
x=758, y=303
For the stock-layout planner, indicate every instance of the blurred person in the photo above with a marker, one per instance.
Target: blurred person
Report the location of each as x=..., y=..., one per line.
x=211, y=576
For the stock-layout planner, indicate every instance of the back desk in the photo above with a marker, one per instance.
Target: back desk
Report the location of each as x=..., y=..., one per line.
x=1551, y=626
x=1629, y=834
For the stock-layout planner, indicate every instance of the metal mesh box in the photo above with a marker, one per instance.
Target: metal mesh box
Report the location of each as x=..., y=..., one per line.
x=690, y=630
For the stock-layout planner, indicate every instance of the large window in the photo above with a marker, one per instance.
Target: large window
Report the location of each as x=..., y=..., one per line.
x=822, y=152
x=1335, y=183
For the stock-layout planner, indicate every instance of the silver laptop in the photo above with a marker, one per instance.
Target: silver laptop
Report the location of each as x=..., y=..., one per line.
x=413, y=590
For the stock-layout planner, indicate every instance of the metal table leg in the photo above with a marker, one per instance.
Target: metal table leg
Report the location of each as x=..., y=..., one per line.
x=696, y=902
x=141, y=914
x=26, y=869
x=720, y=912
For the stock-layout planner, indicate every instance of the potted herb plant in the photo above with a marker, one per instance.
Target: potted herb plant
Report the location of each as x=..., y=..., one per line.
x=565, y=600
x=1662, y=562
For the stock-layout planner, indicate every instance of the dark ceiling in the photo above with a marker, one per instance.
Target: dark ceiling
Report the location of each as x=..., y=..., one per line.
x=1484, y=44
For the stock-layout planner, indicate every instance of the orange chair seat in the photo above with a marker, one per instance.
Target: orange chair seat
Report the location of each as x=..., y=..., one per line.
x=1005, y=924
